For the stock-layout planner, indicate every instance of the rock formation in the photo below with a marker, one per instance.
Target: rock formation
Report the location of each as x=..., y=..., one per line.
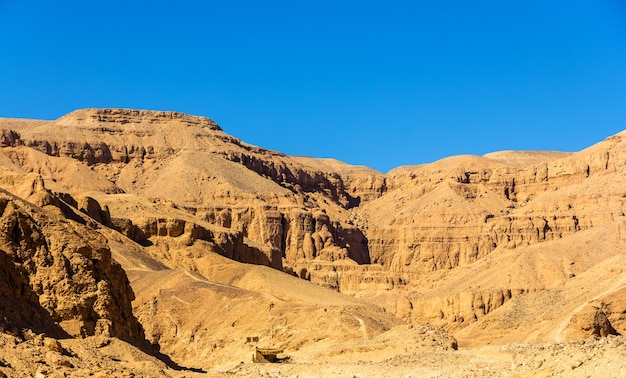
x=59, y=277
x=506, y=247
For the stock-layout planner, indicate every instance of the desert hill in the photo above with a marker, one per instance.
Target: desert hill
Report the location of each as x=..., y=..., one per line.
x=217, y=243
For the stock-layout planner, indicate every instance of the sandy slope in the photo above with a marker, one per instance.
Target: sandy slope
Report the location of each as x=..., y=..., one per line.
x=499, y=251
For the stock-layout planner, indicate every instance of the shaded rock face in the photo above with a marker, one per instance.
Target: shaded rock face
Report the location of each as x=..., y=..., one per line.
x=92, y=208
x=591, y=321
x=64, y=272
x=227, y=243
x=300, y=235
x=602, y=326
x=297, y=178
x=19, y=304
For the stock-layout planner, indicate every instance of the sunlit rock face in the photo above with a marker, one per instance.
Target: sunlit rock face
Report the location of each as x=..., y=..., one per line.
x=511, y=246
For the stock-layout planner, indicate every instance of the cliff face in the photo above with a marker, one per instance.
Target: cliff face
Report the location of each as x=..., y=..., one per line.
x=287, y=208
x=170, y=181
x=458, y=211
x=59, y=278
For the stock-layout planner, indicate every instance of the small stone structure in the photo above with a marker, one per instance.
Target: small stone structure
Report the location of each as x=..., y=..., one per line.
x=266, y=355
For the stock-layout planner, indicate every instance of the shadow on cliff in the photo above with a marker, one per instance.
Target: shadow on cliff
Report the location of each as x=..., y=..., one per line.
x=19, y=305
x=357, y=244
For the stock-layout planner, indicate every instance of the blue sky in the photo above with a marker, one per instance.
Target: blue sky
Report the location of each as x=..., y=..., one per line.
x=376, y=83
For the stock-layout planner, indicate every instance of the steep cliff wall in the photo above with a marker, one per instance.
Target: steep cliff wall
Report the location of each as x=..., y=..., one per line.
x=64, y=272
x=453, y=213
x=349, y=228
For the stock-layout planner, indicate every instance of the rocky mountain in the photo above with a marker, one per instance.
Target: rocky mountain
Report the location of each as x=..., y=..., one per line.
x=160, y=229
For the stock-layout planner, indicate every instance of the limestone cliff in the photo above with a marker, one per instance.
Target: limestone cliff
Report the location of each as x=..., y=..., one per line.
x=58, y=276
x=170, y=182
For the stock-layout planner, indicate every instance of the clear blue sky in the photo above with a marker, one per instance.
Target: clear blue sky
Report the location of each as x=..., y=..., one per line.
x=376, y=83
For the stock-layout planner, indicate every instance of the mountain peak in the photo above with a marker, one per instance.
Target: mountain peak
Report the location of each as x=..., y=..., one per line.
x=124, y=116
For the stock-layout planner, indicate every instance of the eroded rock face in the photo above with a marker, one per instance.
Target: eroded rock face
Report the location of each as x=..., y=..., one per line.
x=231, y=244
x=448, y=217
x=300, y=234
x=399, y=235
x=64, y=269
x=20, y=305
x=591, y=321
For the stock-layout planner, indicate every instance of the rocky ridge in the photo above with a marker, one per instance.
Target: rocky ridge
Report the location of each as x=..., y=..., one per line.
x=64, y=273
x=467, y=243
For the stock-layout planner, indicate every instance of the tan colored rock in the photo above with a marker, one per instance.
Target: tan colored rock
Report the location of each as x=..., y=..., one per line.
x=59, y=267
x=53, y=345
x=590, y=321
x=506, y=248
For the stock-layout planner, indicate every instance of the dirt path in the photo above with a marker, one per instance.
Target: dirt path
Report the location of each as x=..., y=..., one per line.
x=362, y=328
x=204, y=280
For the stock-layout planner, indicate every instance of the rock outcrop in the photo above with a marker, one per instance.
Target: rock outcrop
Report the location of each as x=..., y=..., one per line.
x=64, y=273
x=454, y=242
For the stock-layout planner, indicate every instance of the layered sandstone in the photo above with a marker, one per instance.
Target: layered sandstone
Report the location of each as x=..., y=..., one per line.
x=64, y=269
x=507, y=247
